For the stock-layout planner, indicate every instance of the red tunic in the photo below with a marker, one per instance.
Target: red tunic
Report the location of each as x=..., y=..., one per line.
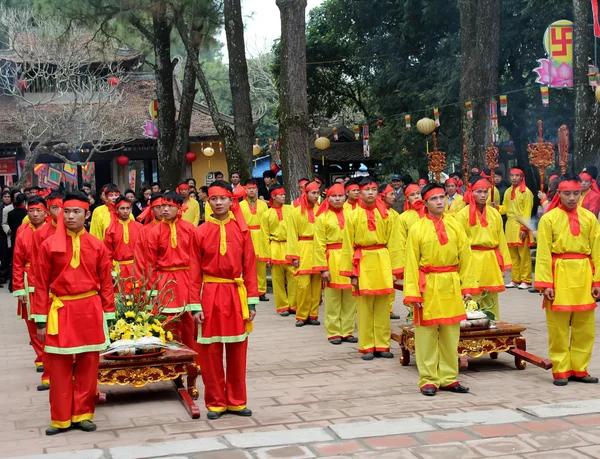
x=142, y=262
x=22, y=258
x=81, y=322
x=591, y=202
x=223, y=321
x=119, y=251
x=171, y=263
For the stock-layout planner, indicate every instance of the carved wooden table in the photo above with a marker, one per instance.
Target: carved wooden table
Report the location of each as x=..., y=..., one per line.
x=505, y=337
x=172, y=365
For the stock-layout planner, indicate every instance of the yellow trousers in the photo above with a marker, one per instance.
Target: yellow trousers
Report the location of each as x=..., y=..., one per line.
x=521, y=263
x=285, y=287
x=436, y=349
x=309, y=296
x=261, y=274
x=340, y=313
x=570, y=357
x=392, y=299
x=373, y=323
x=489, y=302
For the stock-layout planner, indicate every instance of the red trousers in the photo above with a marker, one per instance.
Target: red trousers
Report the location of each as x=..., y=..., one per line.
x=38, y=347
x=73, y=389
x=224, y=391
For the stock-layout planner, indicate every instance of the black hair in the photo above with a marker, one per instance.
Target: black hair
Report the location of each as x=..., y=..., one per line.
x=499, y=173
x=86, y=184
x=303, y=179
x=429, y=186
x=20, y=200
x=56, y=194
x=366, y=180
x=129, y=191
x=6, y=192
x=319, y=179
x=37, y=200
x=270, y=174
x=183, y=182
x=347, y=177
x=25, y=190
x=350, y=182
x=172, y=196
x=219, y=173
x=592, y=170
x=120, y=199
x=220, y=183
x=407, y=179
x=155, y=184
x=251, y=182
x=275, y=187
x=143, y=189
x=569, y=177
x=111, y=188
x=13, y=193
x=155, y=196
x=77, y=195
x=234, y=172
x=192, y=179
x=456, y=174
x=204, y=189
x=382, y=187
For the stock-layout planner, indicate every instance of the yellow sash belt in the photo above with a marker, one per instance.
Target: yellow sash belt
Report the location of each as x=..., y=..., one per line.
x=242, y=292
x=124, y=262
x=57, y=303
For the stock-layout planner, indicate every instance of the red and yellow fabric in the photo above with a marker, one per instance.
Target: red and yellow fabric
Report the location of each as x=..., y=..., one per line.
x=223, y=285
x=453, y=207
x=121, y=239
x=350, y=206
x=142, y=264
x=192, y=213
x=253, y=213
x=406, y=220
x=436, y=355
x=590, y=199
x=101, y=220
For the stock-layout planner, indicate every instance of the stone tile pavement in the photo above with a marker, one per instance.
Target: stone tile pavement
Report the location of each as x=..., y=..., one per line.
x=298, y=381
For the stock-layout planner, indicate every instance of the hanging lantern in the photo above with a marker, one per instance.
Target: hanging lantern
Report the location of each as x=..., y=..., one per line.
x=190, y=157
x=122, y=160
x=426, y=126
x=208, y=152
x=598, y=93
x=113, y=81
x=256, y=150
x=322, y=143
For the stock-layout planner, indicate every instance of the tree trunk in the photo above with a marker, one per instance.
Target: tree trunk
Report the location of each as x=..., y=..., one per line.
x=240, y=88
x=293, y=102
x=480, y=63
x=587, y=110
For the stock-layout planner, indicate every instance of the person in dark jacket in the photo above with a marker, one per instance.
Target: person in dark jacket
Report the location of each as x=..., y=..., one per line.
x=15, y=219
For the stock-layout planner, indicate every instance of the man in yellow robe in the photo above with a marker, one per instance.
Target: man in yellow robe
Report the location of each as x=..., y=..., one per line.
x=192, y=213
x=102, y=216
x=274, y=229
x=370, y=257
x=253, y=210
x=388, y=196
x=517, y=205
x=490, y=257
x=352, y=194
x=300, y=239
x=340, y=307
x=454, y=201
x=414, y=210
x=568, y=253
x=437, y=281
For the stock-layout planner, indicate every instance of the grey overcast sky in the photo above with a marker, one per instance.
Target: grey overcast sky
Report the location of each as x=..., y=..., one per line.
x=262, y=24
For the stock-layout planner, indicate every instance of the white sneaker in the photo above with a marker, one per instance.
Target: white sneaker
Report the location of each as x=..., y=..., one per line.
x=524, y=286
x=511, y=285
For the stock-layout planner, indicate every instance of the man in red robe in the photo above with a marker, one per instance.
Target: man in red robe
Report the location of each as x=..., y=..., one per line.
x=150, y=217
x=72, y=301
x=23, y=289
x=121, y=237
x=590, y=194
x=223, y=280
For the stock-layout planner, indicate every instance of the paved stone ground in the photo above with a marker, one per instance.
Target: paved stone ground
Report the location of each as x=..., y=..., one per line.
x=298, y=381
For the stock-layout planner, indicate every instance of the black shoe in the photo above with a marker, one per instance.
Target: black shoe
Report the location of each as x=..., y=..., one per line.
x=350, y=339
x=368, y=356
x=561, y=382
x=457, y=389
x=263, y=298
x=40, y=369
x=42, y=387
x=213, y=415
x=429, y=391
x=384, y=355
x=284, y=313
x=54, y=431
x=336, y=341
x=533, y=290
x=246, y=412
x=394, y=316
x=584, y=379
x=85, y=426
x=313, y=322
x=300, y=323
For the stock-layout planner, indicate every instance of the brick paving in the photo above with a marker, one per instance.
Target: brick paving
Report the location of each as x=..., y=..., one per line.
x=298, y=381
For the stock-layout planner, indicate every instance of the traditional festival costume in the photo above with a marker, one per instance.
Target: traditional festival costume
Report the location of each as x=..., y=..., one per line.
x=394, y=216
x=274, y=228
x=490, y=256
x=102, y=217
x=568, y=261
x=340, y=307
x=370, y=252
x=517, y=204
x=224, y=286
x=300, y=238
x=302, y=184
x=73, y=298
x=253, y=213
x=192, y=213
x=454, y=205
x=411, y=215
x=120, y=239
x=143, y=265
x=351, y=205
x=437, y=273
x=590, y=199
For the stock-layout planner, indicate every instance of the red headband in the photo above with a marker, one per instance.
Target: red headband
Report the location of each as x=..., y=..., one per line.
x=354, y=186
x=433, y=191
x=112, y=193
x=59, y=244
x=411, y=189
x=522, y=186
x=587, y=176
x=568, y=185
x=54, y=202
x=451, y=180
x=302, y=183
x=386, y=190
x=277, y=192
x=183, y=186
x=418, y=205
x=304, y=207
x=366, y=185
x=337, y=189
x=170, y=202
x=252, y=185
x=473, y=211
x=219, y=191
x=76, y=203
x=38, y=206
x=279, y=210
x=312, y=186
x=156, y=203
x=554, y=176
x=422, y=181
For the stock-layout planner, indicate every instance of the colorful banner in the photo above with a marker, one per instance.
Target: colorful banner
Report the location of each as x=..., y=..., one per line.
x=407, y=122
x=545, y=96
x=366, y=146
x=356, y=132
x=8, y=166
x=494, y=129
x=70, y=173
x=557, y=70
x=335, y=134
x=504, y=105
x=469, y=107
x=87, y=171
x=436, y=116
x=596, y=23
x=54, y=176
x=132, y=176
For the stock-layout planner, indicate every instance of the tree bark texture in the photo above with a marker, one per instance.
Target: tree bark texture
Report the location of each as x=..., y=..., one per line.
x=293, y=102
x=480, y=64
x=587, y=110
x=240, y=88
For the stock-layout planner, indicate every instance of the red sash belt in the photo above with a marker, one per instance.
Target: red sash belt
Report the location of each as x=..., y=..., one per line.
x=254, y=227
x=423, y=270
x=569, y=256
x=358, y=256
x=499, y=256
x=331, y=247
x=306, y=238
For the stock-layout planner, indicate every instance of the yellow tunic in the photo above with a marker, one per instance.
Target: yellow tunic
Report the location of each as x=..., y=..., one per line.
x=300, y=240
x=407, y=219
x=442, y=295
x=571, y=279
x=378, y=264
x=496, y=196
x=253, y=220
x=274, y=235
x=349, y=206
x=485, y=264
x=192, y=214
x=457, y=204
x=519, y=207
x=101, y=221
x=328, y=248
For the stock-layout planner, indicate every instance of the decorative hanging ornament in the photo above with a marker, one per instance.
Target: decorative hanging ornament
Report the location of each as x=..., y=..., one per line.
x=469, y=108
x=541, y=154
x=190, y=157
x=407, y=122
x=563, y=148
x=122, y=160
x=113, y=81
x=356, y=132
x=436, y=160
x=322, y=143
x=426, y=126
x=153, y=109
x=494, y=129
x=335, y=134
x=256, y=150
x=379, y=123
x=208, y=152
x=436, y=116
x=545, y=96
x=503, y=105
x=366, y=144
x=491, y=159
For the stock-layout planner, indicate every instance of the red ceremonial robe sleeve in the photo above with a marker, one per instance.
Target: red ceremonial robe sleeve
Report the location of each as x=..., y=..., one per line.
x=20, y=259
x=42, y=269
x=106, y=286
x=195, y=271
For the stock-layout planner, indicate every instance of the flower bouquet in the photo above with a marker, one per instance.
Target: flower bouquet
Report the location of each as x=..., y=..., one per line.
x=479, y=316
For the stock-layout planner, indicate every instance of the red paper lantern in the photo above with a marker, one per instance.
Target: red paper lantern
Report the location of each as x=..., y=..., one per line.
x=113, y=81
x=122, y=160
x=275, y=168
x=190, y=157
